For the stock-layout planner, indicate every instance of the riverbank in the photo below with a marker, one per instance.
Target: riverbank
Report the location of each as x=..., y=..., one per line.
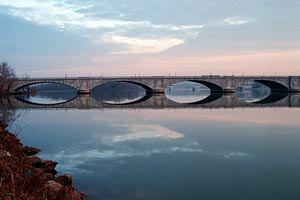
x=26, y=176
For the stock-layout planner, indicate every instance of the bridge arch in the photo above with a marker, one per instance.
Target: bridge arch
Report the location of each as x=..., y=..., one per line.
x=144, y=86
x=212, y=86
x=215, y=92
x=273, y=85
x=21, y=86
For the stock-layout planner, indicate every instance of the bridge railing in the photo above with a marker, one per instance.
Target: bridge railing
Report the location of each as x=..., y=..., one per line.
x=151, y=77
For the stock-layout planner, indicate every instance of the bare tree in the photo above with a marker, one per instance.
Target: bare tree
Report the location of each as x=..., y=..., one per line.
x=7, y=76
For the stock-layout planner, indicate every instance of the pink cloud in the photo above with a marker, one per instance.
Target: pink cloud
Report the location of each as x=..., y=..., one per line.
x=257, y=63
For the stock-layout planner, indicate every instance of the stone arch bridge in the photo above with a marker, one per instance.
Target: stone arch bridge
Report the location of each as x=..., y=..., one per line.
x=157, y=84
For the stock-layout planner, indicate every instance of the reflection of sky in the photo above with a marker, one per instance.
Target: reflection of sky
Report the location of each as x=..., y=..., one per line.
x=142, y=131
x=43, y=100
x=156, y=153
x=122, y=101
x=252, y=95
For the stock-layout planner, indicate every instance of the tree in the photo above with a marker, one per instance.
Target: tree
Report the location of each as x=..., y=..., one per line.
x=7, y=76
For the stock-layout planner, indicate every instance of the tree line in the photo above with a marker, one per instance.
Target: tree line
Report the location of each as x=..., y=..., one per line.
x=7, y=76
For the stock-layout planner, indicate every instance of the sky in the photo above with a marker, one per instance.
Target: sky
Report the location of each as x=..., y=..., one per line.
x=42, y=38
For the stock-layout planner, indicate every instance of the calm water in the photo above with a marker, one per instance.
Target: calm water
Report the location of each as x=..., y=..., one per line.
x=172, y=154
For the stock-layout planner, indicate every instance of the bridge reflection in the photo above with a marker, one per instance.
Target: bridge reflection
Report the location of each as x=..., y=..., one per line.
x=210, y=98
x=272, y=98
x=139, y=100
x=23, y=100
x=214, y=100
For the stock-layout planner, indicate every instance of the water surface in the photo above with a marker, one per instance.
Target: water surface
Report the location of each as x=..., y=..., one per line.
x=194, y=153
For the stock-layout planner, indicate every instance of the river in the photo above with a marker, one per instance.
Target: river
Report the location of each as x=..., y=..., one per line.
x=169, y=153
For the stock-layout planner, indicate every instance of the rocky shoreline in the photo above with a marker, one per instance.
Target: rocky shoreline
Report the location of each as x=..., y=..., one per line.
x=26, y=176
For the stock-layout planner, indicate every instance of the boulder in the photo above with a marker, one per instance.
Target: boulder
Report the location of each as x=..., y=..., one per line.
x=46, y=177
x=65, y=179
x=35, y=161
x=53, y=186
x=30, y=151
x=4, y=153
x=49, y=166
x=36, y=172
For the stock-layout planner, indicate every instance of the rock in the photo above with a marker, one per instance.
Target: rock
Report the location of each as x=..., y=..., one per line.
x=4, y=153
x=36, y=172
x=30, y=151
x=3, y=125
x=53, y=186
x=82, y=195
x=49, y=166
x=65, y=179
x=49, y=176
x=35, y=161
x=46, y=177
x=39, y=174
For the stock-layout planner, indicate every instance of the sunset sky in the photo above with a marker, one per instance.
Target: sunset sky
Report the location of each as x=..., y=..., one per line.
x=153, y=37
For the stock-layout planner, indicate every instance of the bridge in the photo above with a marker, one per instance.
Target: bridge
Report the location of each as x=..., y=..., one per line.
x=158, y=84
x=159, y=101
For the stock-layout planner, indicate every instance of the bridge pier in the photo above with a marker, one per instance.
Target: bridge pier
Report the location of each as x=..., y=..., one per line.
x=156, y=91
x=83, y=92
x=228, y=90
x=224, y=91
x=293, y=91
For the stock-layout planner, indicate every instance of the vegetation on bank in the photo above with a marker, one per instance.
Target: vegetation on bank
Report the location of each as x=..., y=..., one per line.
x=7, y=76
x=25, y=176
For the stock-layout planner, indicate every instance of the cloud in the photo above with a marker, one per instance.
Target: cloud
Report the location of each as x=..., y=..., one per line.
x=236, y=21
x=136, y=34
x=64, y=16
x=143, y=45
